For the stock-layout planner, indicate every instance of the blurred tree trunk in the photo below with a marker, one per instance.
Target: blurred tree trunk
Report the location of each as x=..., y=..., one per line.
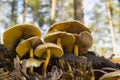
x=13, y=14
x=111, y=25
x=53, y=11
x=37, y=10
x=78, y=10
x=25, y=10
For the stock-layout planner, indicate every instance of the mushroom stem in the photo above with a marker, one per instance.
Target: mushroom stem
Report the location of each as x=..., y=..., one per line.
x=46, y=62
x=92, y=78
x=31, y=53
x=76, y=50
x=59, y=42
x=31, y=56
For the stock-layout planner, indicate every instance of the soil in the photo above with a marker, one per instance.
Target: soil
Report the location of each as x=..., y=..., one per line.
x=67, y=67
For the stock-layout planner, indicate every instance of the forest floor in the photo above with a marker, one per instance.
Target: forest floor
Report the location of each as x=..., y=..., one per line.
x=68, y=67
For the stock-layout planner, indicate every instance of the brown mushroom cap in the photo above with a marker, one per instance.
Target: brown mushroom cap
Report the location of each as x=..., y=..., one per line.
x=83, y=42
x=111, y=76
x=56, y=51
x=69, y=26
x=85, y=39
x=12, y=36
x=25, y=46
x=67, y=39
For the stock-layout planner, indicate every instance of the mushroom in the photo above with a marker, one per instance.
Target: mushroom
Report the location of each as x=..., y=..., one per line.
x=13, y=35
x=69, y=26
x=47, y=51
x=63, y=39
x=27, y=46
x=83, y=41
x=111, y=76
x=32, y=62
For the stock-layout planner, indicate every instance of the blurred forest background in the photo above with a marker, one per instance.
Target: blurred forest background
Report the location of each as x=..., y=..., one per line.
x=102, y=17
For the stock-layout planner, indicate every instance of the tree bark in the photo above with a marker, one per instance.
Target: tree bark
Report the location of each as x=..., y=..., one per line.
x=78, y=10
x=53, y=11
x=111, y=26
x=25, y=10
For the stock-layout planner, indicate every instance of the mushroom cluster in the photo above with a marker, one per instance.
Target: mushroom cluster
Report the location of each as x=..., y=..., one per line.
x=25, y=41
x=72, y=36
x=63, y=37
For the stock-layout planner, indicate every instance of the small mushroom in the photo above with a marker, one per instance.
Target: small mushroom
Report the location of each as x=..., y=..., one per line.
x=13, y=35
x=111, y=76
x=27, y=46
x=47, y=51
x=32, y=62
x=63, y=39
x=69, y=26
x=83, y=42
